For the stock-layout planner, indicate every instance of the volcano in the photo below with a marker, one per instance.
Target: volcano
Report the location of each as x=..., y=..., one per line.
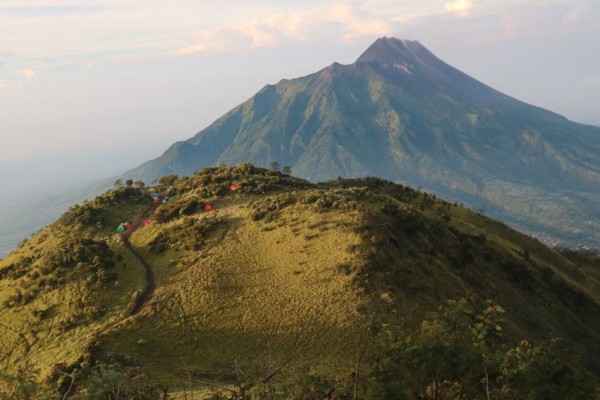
x=402, y=114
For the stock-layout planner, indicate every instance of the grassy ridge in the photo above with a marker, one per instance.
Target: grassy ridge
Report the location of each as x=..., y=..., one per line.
x=281, y=273
x=258, y=292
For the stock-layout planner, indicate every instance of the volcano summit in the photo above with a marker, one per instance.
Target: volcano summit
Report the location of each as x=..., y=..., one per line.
x=402, y=114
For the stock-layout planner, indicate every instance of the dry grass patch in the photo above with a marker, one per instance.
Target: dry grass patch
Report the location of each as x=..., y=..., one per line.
x=256, y=292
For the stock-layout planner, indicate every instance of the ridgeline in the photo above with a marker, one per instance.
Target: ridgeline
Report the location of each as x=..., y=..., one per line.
x=258, y=273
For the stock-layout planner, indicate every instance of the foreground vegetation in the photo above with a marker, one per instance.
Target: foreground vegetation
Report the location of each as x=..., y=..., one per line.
x=288, y=289
x=456, y=353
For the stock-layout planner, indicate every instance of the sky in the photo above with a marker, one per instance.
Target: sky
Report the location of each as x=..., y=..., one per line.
x=89, y=89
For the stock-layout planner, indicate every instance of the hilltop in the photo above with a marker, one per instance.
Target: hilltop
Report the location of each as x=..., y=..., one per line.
x=278, y=275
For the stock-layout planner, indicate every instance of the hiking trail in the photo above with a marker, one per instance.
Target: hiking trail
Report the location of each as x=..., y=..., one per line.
x=150, y=283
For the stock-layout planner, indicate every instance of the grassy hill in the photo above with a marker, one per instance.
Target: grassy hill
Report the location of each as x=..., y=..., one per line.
x=282, y=277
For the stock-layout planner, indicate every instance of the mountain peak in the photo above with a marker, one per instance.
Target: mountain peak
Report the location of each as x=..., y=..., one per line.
x=386, y=50
x=405, y=115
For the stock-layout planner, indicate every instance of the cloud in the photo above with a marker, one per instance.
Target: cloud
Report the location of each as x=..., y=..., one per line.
x=337, y=21
x=28, y=73
x=405, y=17
x=3, y=83
x=118, y=30
x=592, y=81
x=460, y=6
x=104, y=30
x=357, y=22
x=212, y=41
x=541, y=18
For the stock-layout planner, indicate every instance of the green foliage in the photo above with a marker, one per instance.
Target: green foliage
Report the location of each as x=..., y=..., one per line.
x=191, y=234
x=23, y=385
x=168, y=180
x=457, y=353
x=274, y=165
x=546, y=371
x=77, y=251
x=114, y=382
x=438, y=361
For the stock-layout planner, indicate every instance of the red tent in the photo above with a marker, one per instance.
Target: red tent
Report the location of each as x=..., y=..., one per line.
x=146, y=222
x=156, y=201
x=208, y=207
x=234, y=186
x=128, y=226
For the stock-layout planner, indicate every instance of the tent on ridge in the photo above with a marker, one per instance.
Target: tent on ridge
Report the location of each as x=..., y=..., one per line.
x=121, y=228
x=127, y=225
x=146, y=222
x=167, y=198
x=208, y=207
x=235, y=186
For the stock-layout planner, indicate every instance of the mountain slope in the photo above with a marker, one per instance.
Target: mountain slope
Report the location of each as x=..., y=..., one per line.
x=281, y=272
x=402, y=114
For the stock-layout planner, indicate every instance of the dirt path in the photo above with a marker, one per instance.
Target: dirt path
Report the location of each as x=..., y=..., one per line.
x=150, y=283
x=142, y=298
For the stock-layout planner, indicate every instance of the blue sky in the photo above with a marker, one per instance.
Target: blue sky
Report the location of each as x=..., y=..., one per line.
x=112, y=83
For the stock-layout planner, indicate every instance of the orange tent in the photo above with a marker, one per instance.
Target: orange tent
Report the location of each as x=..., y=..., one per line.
x=146, y=222
x=234, y=186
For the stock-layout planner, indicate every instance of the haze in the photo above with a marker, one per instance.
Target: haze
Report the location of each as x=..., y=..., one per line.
x=88, y=91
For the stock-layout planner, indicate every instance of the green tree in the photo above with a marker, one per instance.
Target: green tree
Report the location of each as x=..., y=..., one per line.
x=458, y=353
x=286, y=170
x=21, y=386
x=544, y=372
x=488, y=336
x=436, y=362
x=129, y=182
x=140, y=184
x=118, y=183
x=113, y=382
x=168, y=180
x=275, y=165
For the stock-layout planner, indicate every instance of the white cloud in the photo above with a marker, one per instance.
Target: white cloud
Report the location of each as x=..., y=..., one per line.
x=262, y=34
x=3, y=83
x=28, y=73
x=357, y=22
x=211, y=41
x=336, y=21
x=405, y=17
x=592, y=81
x=67, y=32
x=459, y=5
